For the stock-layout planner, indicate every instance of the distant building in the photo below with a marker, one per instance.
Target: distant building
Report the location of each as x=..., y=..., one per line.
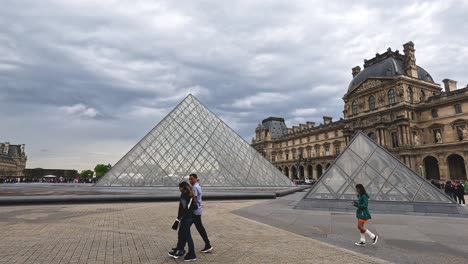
x=12, y=162
x=397, y=104
x=39, y=173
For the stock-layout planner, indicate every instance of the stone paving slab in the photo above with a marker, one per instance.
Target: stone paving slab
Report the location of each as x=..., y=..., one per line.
x=403, y=238
x=140, y=233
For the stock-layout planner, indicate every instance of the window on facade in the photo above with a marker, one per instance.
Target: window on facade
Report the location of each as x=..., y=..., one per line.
x=394, y=139
x=336, y=133
x=371, y=102
x=317, y=151
x=354, y=108
x=309, y=152
x=412, y=115
x=422, y=96
x=300, y=140
x=434, y=113
x=287, y=156
x=326, y=135
x=458, y=109
x=391, y=96
x=327, y=150
x=337, y=149
x=317, y=137
x=410, y=95
x=273, y=158
x=294, y=155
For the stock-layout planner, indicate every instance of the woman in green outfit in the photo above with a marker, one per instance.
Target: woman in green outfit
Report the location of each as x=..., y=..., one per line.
x=363, y=216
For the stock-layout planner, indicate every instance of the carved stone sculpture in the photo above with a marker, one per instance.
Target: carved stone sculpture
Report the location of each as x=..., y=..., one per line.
x=438, y=137
x=464, y=132
x=416, y=139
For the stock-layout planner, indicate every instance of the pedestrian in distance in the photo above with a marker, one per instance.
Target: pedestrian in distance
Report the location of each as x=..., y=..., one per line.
x=363, y=215
x=197, y=214
x=461, y=193
x=185, y=219
x=449, y=189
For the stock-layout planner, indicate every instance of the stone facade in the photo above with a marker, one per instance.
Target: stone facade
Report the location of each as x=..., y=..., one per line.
x=396, y=103
x=12, y=162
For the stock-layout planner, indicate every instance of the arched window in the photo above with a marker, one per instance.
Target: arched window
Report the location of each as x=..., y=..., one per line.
x=354, y=107
x=391, y=96
x=422, y=96
x=410, y=95
x=371, y=102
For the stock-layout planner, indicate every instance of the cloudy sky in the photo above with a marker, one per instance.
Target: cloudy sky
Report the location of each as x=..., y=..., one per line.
x=82, y=81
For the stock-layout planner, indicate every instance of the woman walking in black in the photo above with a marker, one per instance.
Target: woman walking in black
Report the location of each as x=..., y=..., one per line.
x=363, y=216
x=184, y=217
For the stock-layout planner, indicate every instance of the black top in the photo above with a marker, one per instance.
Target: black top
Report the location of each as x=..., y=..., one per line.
x=184, y=211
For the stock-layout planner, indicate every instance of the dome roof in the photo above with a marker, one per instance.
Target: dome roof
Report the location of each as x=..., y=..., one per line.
x=391, y=65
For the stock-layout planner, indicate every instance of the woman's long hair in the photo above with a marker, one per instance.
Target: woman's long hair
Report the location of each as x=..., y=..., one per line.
x=186, y=188
x=360, y=189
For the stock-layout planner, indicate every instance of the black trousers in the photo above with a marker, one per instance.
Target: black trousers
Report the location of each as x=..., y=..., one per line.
x=461, y=198
x=200, y=228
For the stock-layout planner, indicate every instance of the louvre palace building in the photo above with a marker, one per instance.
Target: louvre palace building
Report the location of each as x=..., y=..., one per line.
x=12, y=162
x=397, y=104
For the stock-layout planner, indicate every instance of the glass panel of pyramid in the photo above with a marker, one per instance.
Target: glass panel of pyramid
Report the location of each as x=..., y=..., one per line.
x=191, y=139
x=384, y=176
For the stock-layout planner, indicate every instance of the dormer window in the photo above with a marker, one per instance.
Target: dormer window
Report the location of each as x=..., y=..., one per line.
x=354, y=108
x=371, y=103
x=391, y=96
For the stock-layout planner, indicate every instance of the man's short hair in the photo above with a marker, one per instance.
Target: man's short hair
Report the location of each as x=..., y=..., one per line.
x=193, y=175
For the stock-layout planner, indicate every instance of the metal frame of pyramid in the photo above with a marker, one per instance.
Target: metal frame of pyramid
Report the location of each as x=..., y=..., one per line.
x=192, y=139
x=384, y=176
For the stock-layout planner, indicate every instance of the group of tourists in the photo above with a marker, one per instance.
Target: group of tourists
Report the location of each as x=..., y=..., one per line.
x=190, y=212
x=456, y=190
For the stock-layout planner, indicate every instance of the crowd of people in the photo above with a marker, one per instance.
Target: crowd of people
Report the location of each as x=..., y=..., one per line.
x=457, y=191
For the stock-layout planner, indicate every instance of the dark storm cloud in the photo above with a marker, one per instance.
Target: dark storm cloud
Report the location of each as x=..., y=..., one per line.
x=86, y=80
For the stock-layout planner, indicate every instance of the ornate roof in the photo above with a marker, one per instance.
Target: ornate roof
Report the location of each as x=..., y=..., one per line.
x=389, y=64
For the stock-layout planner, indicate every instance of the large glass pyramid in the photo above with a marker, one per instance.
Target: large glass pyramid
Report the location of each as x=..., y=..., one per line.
x=384, y=176
x=191, y=139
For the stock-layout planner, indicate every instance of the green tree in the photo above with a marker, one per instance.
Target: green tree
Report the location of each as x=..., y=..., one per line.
x=87, y=174
x=101, y=169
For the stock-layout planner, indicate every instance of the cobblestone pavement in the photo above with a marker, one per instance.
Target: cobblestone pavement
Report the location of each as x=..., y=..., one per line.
x=141, y=233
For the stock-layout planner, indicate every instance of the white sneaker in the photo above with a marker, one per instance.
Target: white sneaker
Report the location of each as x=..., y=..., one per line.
x=463, y=205
x=360, y=244
x=374, y=240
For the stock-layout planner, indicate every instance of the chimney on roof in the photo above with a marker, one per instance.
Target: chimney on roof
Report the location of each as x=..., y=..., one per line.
x=355, y=71
x=310, y=124
x=410, y=60
x=450, y=85
x=6, y=148
x=327, y=120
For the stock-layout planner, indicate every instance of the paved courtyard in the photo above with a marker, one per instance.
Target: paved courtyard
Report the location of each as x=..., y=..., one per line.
x=140, y=233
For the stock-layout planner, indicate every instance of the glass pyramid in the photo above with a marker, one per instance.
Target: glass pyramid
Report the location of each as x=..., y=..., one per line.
x=384, y=176
x=191, y=139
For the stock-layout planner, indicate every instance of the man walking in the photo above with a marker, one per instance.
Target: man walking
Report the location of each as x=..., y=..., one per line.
x=197, y=193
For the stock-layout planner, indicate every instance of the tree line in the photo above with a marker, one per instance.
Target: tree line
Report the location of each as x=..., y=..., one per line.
x=99, y=171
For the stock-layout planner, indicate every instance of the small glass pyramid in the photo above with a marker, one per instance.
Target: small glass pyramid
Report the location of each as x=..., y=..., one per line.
x=383, y=175
x=191, y=139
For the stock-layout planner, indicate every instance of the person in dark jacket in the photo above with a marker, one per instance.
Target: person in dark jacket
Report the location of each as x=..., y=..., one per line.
x=184, y=216
x=363, y=215
x=449, y=189
x=461, y=193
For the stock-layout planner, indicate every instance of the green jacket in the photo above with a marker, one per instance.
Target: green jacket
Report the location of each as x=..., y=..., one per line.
x=362, y=212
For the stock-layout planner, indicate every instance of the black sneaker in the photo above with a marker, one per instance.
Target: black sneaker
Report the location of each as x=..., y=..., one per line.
x=374, y=240
x=190, y=257
x=177, y=254
x=172, y=252
x=206, y=249
x=360, y=244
